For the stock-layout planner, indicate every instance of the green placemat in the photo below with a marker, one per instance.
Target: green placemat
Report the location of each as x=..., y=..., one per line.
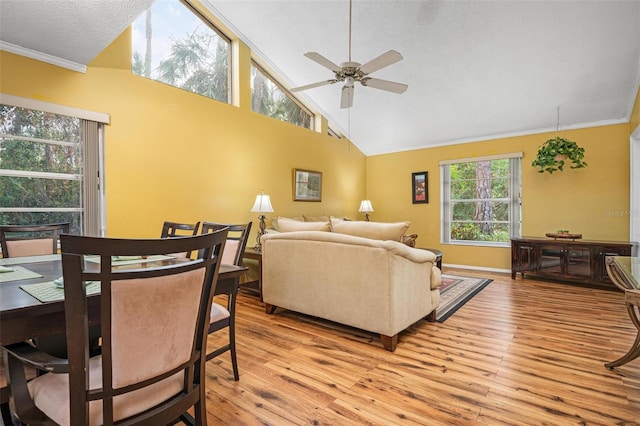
x=18, y=273
x=48, y=292
x=29, y=259
x=130, y=260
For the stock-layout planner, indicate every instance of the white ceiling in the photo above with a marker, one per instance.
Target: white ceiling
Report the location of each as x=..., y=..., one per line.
x=475, y=69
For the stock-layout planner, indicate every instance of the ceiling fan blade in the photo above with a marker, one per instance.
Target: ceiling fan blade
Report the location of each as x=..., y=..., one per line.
x=384, y=60
x=389, y=86
x=346, y=100
x=312, y=85
x=315, y=56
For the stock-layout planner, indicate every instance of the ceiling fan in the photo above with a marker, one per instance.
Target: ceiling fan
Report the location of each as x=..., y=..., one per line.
x=350, y=72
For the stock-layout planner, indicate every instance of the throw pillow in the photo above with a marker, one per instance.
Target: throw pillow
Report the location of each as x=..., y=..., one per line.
x=288, y=225
x=323, y=218
x=275, y=225
x=373, y=230
x=332, y=218
x=409, y=240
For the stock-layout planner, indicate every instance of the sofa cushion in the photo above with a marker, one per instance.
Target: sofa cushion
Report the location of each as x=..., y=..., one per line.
x=276, y=226
x=288, y=225
x=323, y=218
x=373, y=230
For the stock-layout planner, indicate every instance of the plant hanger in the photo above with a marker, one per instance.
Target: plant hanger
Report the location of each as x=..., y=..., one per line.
x=553, y=154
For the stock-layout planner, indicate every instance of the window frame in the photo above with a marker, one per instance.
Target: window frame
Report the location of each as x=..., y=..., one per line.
x=514, y=198
x=332, y=133
x=93, y=196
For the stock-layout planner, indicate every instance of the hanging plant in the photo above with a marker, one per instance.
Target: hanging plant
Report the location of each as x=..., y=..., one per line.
x=553, y=154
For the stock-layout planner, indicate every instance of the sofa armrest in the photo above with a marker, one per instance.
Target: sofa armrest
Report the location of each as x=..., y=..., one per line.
x=436, y=277
x=413, y=254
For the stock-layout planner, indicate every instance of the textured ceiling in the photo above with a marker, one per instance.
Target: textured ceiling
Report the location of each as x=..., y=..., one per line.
x=71, y=30
x=475, y=69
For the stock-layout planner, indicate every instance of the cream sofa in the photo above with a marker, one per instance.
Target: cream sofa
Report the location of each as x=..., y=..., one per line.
x=381, y=286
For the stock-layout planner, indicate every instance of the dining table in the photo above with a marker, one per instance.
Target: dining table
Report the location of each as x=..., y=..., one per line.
x=31, y=306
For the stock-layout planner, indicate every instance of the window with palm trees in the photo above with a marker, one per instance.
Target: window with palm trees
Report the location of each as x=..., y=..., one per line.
x=174, y=44
x=271, y=99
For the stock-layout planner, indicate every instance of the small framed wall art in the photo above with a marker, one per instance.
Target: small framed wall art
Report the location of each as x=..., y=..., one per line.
x=420, y=187
x=307, y=185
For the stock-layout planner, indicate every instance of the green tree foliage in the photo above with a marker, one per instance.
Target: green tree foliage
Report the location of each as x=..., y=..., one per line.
x=24, y=147
x=197, y=62
x=269, y=100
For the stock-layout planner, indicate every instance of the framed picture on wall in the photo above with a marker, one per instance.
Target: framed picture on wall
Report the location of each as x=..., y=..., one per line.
x=307, y=185
x=420, y=187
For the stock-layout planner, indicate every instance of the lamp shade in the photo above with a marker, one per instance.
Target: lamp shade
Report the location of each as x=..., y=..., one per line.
x=365, y=206
x=262, y=204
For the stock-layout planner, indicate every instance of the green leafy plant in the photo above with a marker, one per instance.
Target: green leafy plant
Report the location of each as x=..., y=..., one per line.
x=553, y=154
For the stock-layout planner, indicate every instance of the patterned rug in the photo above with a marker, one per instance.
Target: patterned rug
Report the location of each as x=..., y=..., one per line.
x=455, y=291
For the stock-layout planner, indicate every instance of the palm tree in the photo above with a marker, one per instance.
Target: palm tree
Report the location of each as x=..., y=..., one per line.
x=197, y=66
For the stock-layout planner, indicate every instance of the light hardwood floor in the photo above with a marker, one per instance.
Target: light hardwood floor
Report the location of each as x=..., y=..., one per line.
x=521, y=352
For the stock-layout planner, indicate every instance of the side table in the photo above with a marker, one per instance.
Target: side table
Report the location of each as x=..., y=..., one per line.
x=251, y=253
x=624, y=271
x=438, y=254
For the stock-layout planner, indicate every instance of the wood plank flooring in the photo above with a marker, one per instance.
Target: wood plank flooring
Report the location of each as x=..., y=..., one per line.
x=521, y=352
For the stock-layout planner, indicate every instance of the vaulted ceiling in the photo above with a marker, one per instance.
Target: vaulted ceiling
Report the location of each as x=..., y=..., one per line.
x=475, y=69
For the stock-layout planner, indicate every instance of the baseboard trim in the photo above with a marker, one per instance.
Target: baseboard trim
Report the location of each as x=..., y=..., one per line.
x=477, y=268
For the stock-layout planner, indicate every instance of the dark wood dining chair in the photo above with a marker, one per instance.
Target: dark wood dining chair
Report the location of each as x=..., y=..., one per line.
x=26, y=240
x=31, y=240
x=177, y=229
x=153, y=322
x=225, y=316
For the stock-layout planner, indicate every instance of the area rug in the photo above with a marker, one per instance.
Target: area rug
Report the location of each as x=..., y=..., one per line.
x=455, y=291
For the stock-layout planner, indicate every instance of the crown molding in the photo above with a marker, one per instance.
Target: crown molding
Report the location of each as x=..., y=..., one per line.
x=43, y=57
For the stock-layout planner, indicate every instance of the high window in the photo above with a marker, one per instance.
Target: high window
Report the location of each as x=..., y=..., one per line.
x=50, y=169
x=271, y=99
x=481, y=200
x=174, y=44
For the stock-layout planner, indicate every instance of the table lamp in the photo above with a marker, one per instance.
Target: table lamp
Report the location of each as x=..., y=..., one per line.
x=366, y=208
x=262, y=205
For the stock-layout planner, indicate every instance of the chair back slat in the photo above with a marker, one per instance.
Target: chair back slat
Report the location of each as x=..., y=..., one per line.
x=31, y=240
x=177, y=229
x=237, y=238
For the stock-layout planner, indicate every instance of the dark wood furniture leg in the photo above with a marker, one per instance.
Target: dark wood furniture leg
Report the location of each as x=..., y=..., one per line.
x=431, y=317
x=389, y=342
x=632, y=299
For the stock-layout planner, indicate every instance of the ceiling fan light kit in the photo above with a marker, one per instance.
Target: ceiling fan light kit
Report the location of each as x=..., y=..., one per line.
x=350, y=72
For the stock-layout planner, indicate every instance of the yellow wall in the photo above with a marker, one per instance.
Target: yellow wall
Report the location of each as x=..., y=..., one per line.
x=591, y=201
x=173, y=155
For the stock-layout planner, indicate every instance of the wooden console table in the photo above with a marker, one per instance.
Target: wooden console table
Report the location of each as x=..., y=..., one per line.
x=625, y=273
x=579, y=261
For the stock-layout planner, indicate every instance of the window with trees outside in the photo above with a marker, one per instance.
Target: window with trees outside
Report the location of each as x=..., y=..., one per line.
x=174, y=44
x=481, y=200
x=49, y=169
x=271, y=99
